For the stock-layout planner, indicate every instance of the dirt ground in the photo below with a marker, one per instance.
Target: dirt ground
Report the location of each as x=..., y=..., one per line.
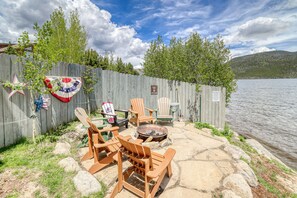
x=21, y=182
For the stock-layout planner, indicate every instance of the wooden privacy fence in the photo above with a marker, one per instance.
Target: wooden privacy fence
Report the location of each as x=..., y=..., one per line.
x=208, y=105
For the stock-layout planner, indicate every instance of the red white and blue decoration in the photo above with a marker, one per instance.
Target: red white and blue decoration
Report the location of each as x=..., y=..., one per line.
x=68, y=86
x=42, y=102
x=15, y=82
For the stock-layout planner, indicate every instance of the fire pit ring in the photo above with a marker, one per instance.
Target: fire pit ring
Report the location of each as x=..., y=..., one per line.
x=158, y=133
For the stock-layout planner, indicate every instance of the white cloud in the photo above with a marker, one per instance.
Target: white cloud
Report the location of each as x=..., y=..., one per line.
x=261, y=49
x=104, y=35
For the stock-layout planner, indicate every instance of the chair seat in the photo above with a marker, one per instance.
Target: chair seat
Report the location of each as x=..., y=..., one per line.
x=146, y=118
x=165, y=117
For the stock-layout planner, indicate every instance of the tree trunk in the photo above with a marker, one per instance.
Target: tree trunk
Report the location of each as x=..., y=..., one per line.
x=33, y=116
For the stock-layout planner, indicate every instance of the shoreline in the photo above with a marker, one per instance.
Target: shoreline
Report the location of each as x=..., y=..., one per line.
x=271, y=151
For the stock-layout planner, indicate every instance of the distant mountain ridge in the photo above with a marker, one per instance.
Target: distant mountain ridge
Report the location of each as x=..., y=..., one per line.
x=273, y=64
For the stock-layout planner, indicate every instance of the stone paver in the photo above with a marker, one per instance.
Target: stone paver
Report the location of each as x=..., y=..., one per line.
x=214, y=154
x=184, y=192
x=200, y=175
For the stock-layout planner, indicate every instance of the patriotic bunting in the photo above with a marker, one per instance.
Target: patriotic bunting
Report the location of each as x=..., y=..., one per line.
x=68, y=86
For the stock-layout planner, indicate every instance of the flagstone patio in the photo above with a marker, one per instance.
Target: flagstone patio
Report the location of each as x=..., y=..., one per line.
x=199, y=167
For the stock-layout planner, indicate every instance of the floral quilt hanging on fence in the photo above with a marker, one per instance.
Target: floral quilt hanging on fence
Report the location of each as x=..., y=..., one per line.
x=67, y=87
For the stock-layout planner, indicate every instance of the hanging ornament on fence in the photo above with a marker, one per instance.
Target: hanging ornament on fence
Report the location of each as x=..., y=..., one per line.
x=42, y=102
x=67, y=86
x=17, y=86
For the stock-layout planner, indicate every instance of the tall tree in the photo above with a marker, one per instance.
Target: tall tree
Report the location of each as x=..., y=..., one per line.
x=196, y=60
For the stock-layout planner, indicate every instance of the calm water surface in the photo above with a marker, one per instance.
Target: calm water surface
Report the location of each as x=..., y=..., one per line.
x=267, y=111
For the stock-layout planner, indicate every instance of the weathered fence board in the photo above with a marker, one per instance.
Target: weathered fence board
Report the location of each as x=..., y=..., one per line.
x=111, y=86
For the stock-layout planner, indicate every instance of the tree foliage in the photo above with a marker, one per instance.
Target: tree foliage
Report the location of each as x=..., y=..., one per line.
x=195, y=60
x=107, y=62
x=66, y=43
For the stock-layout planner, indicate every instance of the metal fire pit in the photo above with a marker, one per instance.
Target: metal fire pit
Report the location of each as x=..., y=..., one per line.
x=158, y=133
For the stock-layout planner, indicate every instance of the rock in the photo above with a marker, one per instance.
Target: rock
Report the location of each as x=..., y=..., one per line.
x=245, y=170
x=70, y=137
x=238, y=185
x=237, y=152
x=152, y=145
x=86, y=184
x=184, y=192
x=229, y=194
x=81, y=130
x=165, y=142
x=69, y=164
x=200, y=175
x=62, y=148
x=262, y=151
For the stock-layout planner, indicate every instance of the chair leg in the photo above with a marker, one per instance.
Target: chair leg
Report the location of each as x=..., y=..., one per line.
x=127, y=125
x=169, y=170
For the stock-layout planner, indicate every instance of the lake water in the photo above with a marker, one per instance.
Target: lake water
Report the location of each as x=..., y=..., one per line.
x=266, y=110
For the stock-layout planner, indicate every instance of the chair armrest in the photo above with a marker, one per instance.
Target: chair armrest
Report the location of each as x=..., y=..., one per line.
x=121, y=110
x=135, y=112
x=168, y=156
x=114, y=130
x=105, y=144
x=109, y=114
x=150, y=110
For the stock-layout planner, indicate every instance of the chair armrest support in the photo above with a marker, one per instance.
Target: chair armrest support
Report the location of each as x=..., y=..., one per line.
x=150, y=110
x=134, y=112
x=168, y=156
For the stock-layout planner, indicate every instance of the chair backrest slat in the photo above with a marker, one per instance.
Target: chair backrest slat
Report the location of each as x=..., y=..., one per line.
x=137, y=104
x=94, y=129
x=136, y=152
x=81, y=114
x=164, y=106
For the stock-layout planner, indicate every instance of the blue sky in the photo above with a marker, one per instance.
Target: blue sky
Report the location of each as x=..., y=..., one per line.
x=126, y=28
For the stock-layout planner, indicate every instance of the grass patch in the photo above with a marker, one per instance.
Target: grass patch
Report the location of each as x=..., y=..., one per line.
x=281, y=166
x=25, y=157
x=223, y=133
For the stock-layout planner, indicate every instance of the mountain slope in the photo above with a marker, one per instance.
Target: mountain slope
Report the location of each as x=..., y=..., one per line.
x=275, y=64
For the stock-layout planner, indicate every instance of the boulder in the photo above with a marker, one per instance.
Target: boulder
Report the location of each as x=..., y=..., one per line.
x=229, y=194
x=69, y=164
x=237, y=152
x=245, y=170
x=70, y=137
x=238, y=185
x=62, y=148
x=86, y=184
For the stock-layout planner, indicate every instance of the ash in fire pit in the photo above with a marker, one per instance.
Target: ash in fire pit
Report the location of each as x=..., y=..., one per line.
x=158, y=133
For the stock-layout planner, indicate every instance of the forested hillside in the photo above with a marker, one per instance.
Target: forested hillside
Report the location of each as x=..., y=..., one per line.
x=275, y=64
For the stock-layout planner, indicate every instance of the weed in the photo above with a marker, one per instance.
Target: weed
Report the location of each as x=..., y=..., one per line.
x=225, y=133
x=281, y=166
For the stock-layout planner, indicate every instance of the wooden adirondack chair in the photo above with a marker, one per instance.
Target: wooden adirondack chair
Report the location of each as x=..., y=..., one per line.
x=163, y=112
x=137, y=108
x=108, y=111
x=98, y=144
x=151, y=166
